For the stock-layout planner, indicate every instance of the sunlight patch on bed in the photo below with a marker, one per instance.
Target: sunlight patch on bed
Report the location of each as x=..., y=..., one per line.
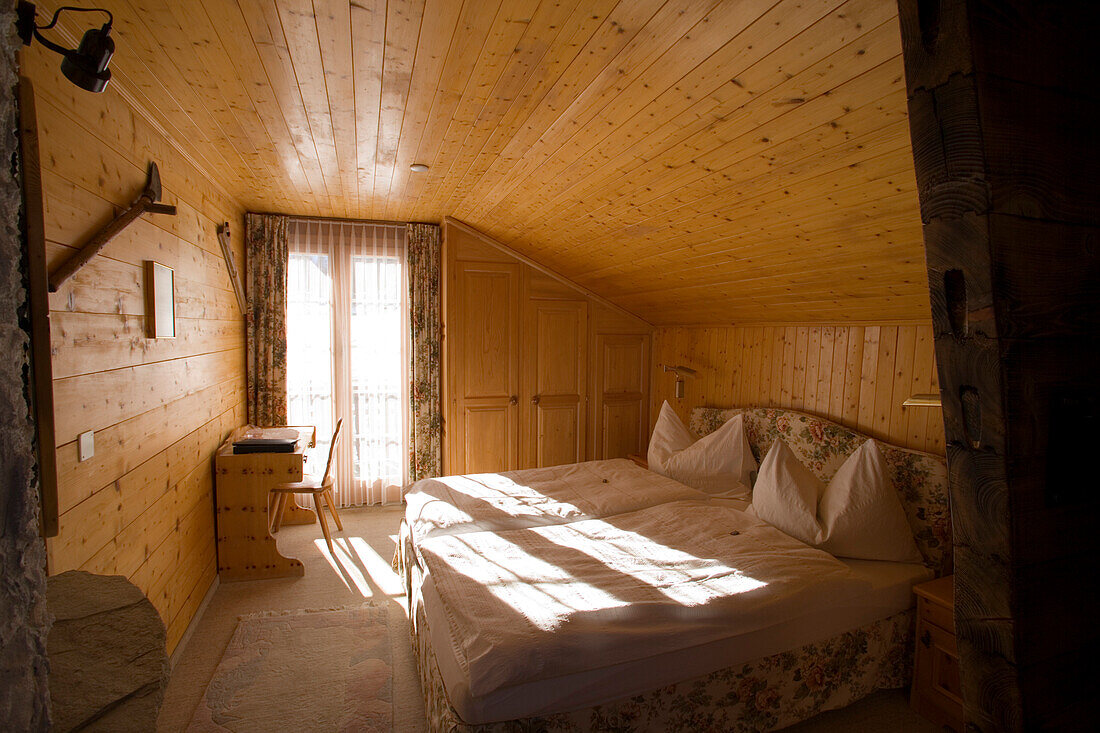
x=539, y=574
x=679, y=575
x=541, y=591
x=502, y=493
x=441, y=508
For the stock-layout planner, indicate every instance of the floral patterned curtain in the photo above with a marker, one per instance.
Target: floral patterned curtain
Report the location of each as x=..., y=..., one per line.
x=265, y=318
x=425, y=324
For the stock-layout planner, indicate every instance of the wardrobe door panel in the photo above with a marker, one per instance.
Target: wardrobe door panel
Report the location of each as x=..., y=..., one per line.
x=621, y=418
x=490, y=436
x=555, y=371
x=486, y=363
x=622, y=394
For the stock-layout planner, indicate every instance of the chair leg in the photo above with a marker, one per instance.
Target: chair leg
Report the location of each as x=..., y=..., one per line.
x=324, y=523
x=280, y=508
x=332, y=508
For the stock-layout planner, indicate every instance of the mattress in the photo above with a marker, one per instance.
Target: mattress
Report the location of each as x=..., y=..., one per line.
x=890, y=583
x=535, y=497
x=706, y=638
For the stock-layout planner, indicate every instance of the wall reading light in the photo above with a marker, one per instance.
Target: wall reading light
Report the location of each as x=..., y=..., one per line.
x=680, y=372
x=87, y=65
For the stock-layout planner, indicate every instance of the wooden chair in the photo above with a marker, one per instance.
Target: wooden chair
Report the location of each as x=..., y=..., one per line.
x=321, y=490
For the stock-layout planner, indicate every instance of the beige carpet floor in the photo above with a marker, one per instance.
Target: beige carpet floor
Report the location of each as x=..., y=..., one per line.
x=303, y=671
x=365, y=549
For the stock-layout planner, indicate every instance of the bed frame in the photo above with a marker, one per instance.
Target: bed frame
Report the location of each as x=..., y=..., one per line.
x=771, y=692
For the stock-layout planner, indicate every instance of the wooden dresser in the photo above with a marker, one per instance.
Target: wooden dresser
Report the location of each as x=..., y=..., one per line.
x=243, y=482
x=937, y=693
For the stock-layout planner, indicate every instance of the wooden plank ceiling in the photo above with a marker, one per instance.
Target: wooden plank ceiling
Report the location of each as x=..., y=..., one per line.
x=694, y=161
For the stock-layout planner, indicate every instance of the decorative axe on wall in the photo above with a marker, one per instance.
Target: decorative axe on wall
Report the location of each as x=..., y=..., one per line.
x=146, y=202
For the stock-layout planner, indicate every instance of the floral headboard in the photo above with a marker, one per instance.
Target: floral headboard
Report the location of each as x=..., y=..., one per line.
x=919, y=478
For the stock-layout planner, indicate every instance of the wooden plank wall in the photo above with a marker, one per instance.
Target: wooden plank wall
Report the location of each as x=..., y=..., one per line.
x=142, y=506
x=855, y=375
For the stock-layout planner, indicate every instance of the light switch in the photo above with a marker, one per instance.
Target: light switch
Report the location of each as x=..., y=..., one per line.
x=86, y=445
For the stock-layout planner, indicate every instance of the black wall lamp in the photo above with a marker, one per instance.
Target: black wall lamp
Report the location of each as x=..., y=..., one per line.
x=87, y=65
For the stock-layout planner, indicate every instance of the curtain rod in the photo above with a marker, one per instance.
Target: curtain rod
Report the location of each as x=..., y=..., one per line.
x=333, y=220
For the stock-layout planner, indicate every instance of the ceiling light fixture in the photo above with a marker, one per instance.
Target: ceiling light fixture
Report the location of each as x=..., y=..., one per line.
x=419, y=168
x=87, y=65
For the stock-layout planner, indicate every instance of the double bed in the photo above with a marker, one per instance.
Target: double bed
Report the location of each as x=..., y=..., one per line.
x=602, y=596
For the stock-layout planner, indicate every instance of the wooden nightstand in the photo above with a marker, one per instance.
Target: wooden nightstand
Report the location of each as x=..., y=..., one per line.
x=937, y=694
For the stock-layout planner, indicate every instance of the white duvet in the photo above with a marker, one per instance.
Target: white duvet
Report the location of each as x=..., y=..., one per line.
x=529, y=604
x=536, y=497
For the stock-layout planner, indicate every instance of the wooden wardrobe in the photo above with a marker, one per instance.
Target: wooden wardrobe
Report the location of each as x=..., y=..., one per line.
x=537, y=371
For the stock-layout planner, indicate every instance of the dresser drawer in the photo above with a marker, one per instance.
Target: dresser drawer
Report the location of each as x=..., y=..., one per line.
x=936, y=614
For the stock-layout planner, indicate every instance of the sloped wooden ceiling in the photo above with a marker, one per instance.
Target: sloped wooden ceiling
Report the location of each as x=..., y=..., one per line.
x=693, y=161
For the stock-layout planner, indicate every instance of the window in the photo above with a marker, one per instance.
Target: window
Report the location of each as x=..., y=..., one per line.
x=347, y=351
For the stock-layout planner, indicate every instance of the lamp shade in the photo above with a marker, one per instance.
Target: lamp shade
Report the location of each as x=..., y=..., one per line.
x=87, y=65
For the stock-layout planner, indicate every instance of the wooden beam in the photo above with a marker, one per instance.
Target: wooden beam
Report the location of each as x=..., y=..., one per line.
x=1003, y=114
x=41, y=359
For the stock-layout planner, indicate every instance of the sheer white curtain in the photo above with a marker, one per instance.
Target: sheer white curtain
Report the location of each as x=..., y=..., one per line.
x=347, y=351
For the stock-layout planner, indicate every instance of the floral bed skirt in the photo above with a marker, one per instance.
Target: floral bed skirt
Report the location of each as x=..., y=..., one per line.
x=764, y=694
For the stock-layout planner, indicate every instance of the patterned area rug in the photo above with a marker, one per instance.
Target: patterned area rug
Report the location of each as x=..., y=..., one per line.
x=303, y=671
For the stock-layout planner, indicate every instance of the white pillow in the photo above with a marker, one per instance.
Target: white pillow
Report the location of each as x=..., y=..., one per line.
x=858, y=515
x=720, y=463
x=786, y=495
x=862, y=514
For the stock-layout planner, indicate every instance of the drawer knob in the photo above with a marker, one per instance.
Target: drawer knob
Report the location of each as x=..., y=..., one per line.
x=926, y=639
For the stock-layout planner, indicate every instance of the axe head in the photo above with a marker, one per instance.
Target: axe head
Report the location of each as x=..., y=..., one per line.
x=152, y=188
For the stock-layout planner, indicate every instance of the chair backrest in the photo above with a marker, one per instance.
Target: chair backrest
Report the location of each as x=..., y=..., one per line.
x=332, y=451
